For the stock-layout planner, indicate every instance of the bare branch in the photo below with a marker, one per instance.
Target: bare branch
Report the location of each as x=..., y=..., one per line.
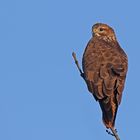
x=78, y=66
x=114, y=133
x=76, y=62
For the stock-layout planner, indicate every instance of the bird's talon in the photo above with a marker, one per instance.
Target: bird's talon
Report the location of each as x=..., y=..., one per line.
x=109, y=133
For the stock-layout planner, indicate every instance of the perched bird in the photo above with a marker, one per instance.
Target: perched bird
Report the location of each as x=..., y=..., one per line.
x=105, y=67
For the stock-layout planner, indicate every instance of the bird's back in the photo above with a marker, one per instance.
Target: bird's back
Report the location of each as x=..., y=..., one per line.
x=105, y=66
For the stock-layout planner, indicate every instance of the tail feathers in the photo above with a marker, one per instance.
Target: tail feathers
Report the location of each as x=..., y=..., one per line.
x=109, y=111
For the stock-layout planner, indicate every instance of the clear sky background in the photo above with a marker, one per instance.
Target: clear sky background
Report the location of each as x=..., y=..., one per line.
x=42, y=96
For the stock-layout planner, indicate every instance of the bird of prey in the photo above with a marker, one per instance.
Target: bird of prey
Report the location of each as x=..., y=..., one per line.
x=105, y=67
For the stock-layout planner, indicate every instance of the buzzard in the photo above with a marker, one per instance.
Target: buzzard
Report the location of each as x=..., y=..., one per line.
x=105, y=67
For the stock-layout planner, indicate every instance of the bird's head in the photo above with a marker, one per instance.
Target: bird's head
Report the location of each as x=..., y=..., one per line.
x=103, y=31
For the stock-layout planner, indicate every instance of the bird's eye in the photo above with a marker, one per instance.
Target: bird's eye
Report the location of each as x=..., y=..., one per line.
x=101, y=29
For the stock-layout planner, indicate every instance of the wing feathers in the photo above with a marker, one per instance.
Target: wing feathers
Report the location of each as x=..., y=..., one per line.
x=109, y=110
x=105, y=68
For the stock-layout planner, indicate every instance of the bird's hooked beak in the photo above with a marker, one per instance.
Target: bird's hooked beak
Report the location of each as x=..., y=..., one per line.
x=95, y=32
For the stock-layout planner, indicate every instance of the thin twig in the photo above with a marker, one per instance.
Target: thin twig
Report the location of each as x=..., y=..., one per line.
x=76, y=62
x=78, y=66
x=114, y=133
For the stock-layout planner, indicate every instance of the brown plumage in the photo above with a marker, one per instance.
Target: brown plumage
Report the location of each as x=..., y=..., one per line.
x=105, y=67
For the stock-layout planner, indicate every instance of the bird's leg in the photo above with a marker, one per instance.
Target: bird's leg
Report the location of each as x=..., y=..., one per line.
x=78, y=66
x=114, y=133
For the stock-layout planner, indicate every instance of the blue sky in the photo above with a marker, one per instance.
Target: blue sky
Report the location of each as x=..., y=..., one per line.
x=42, y=96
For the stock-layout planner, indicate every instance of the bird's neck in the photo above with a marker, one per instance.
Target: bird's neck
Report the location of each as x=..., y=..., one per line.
x=107, y=38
